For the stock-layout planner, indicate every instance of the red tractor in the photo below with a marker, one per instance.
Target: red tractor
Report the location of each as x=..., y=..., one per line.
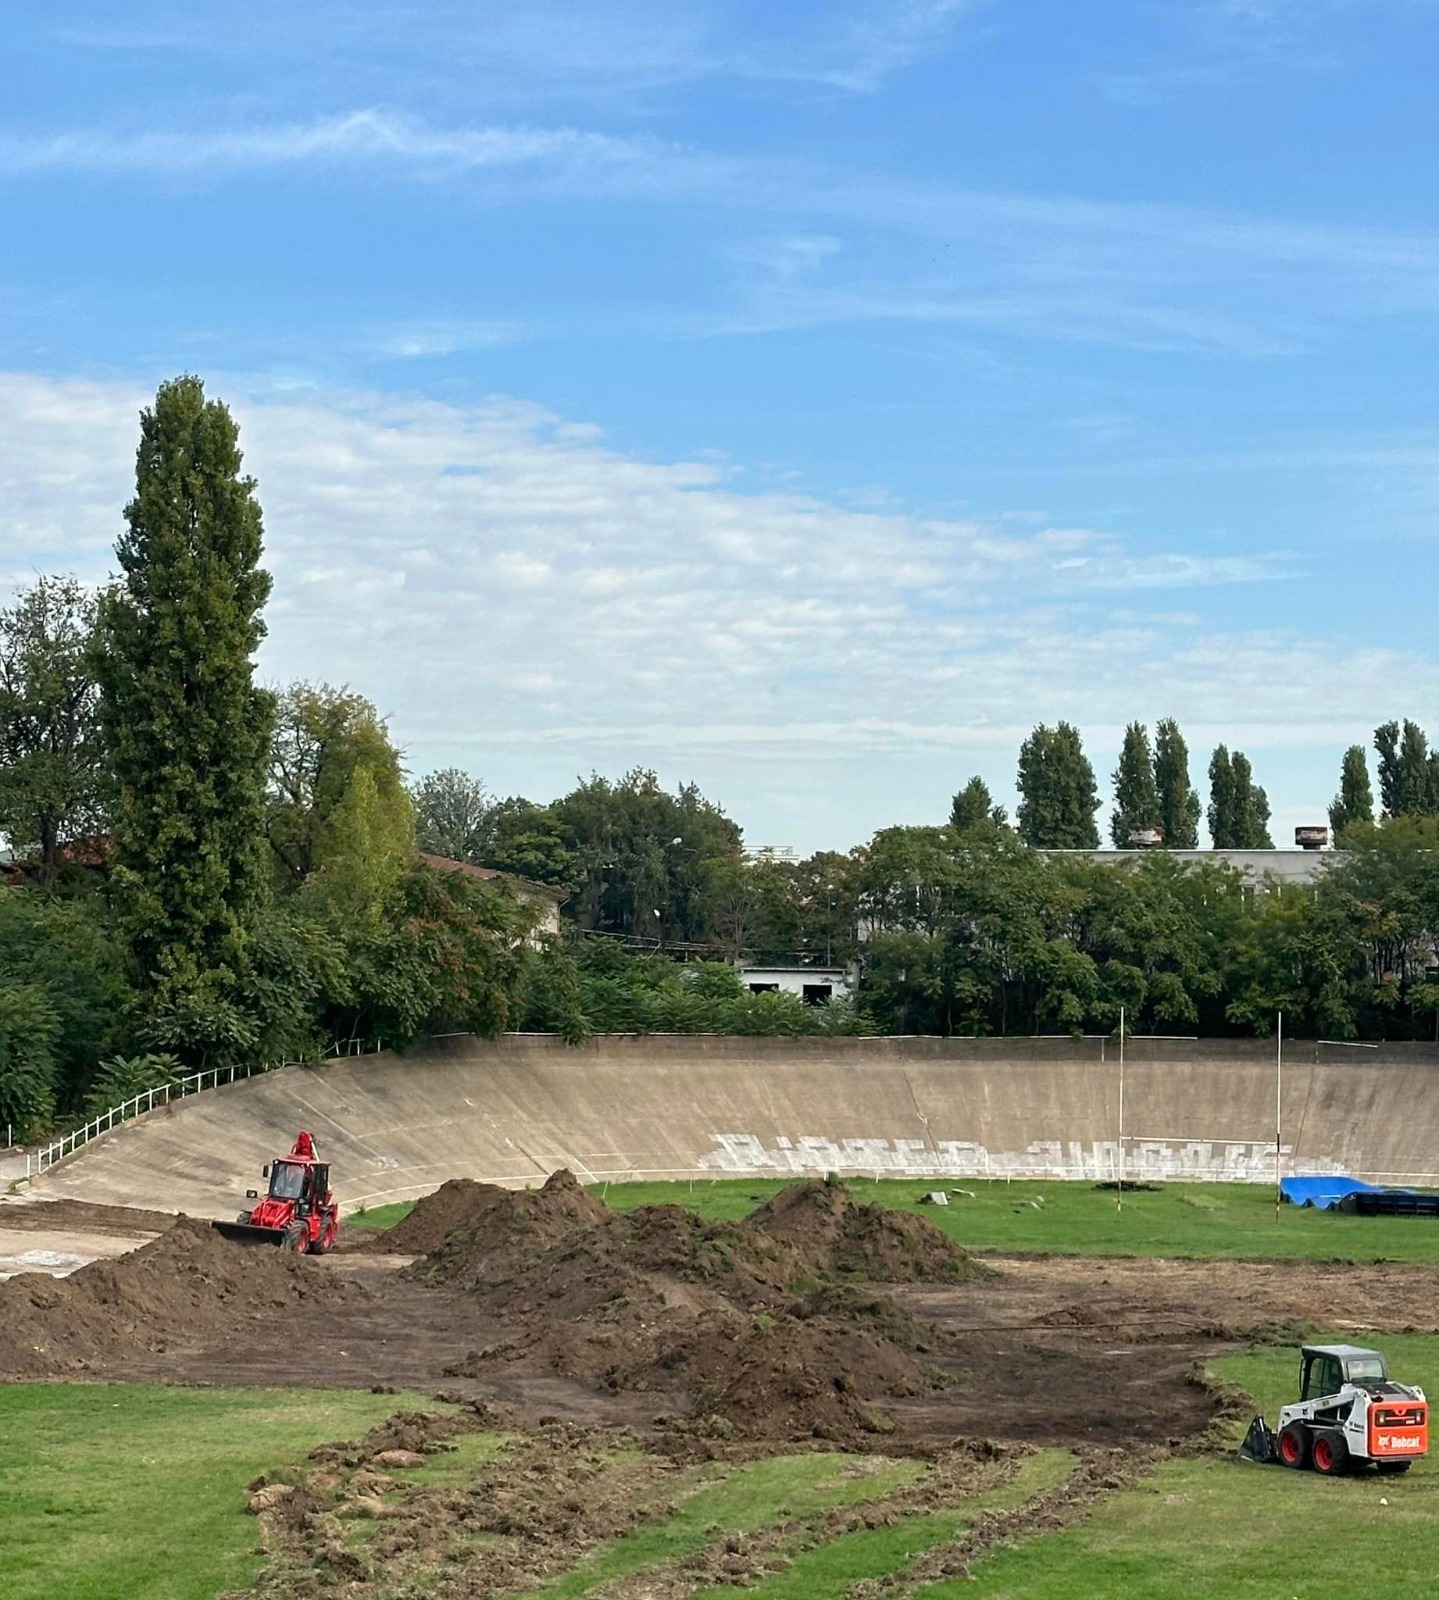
x=298, y=1212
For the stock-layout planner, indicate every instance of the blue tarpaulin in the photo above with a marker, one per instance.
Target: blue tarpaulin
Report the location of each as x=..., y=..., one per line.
x=1322, y=1193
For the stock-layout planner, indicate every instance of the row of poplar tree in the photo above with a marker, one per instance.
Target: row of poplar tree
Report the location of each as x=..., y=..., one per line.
x=1152, y=793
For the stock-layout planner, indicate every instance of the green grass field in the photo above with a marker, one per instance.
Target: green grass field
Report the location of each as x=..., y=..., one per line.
x=137, y=1490
x=1220, y=1221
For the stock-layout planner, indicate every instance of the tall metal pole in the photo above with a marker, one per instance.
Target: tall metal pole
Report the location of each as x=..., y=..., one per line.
x=1278, y=1109
x=1119, y=1192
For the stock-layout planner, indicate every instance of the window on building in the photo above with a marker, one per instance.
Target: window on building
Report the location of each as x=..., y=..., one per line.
x=815, y=994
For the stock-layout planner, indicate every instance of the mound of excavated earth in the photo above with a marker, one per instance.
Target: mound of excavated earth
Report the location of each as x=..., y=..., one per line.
x=840, y=1236
x=481, y=1219
x=731, y=1318
x=185, y=1287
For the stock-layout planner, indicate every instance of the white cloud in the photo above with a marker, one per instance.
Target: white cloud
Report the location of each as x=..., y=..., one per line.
x=560, y=604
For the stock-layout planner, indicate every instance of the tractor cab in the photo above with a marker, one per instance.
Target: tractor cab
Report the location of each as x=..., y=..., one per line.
x=307, y=1182
x=1324, y=1369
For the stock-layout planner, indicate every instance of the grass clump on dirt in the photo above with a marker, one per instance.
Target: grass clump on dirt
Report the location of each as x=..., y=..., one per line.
x=139, y=1489
x=377, y=1218
x=1211, y=1525
x=743, y=1499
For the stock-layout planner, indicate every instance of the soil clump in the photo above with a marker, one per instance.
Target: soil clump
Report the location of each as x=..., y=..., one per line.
x=173, y=1293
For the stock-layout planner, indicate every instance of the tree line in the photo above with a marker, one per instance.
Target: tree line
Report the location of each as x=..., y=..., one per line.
x=209, y=870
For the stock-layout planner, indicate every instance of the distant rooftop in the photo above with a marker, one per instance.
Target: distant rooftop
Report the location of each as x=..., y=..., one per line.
x=521, y=886
x=1279, y=866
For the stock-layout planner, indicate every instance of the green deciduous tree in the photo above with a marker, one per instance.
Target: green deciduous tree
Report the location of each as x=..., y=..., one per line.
x=63, y=947
x=339, y=817
x=1355, y=801
x=1136, y=796
x=1179, y=806
x=51, y=774
x=532, y=841
x=186, y=730
x=1058, y=795
x=454, y=816
x=29, y=1032
x=448, y=956
x=1238, y=807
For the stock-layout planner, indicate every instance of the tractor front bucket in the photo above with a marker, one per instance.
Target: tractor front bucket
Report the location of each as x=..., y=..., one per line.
x=1259, y=1443
x=248, y=1233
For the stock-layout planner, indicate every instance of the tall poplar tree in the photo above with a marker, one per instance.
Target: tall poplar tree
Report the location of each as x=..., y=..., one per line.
x=1238, y=807
x=186, y=729
x=1136, y=799
x=1179, y=806
x=1408, y=777
x=1058, y=794
x=1222, y=827
x=1355, y=800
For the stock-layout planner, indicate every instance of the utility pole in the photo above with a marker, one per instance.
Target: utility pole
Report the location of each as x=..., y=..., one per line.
x=1119, y=1192
x=1278, y=1110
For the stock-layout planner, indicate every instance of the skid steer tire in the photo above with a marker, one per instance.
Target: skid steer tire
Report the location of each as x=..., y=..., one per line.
x=1294, y=1445
x=294, y=1240
x=1392, y=1468
x=1329, y=1453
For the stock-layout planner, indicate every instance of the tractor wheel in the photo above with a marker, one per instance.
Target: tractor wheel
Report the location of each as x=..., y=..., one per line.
x=1294, y=1445
x=1330, y=1454
x=295, y=1239
x=244, y=1216
x=1392, y=1468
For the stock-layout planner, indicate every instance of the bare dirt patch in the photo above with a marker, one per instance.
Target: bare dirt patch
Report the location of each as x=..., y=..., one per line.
x=188, y=1285
x=78, y=1216
x=551, y=1304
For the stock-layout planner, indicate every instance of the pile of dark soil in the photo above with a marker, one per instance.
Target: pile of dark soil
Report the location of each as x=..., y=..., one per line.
x=837, y=1235
x=465, y=1223
x=185, y=1287
x=747, y=1327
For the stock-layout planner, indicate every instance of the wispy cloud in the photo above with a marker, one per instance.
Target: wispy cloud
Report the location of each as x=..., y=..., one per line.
x=365, y=138
x=852, y=245
x=864, y=52
x=436, y=338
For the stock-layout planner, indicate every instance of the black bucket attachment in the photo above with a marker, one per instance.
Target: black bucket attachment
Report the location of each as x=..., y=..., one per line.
x=248, y=1233
x=1260, y=1443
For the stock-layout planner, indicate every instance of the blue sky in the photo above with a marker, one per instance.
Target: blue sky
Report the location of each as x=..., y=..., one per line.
x=802, y=399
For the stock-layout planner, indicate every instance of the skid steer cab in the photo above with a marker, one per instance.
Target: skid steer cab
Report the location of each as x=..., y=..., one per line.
x=298, y=1211
x=1349, y=1414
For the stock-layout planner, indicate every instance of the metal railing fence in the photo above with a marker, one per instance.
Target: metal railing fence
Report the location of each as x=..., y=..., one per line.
x=48, y=1156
